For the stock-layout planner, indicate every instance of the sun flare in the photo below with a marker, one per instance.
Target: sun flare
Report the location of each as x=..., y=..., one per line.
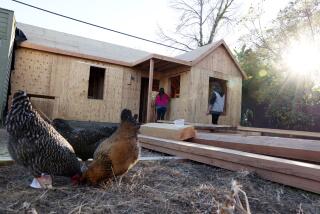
x=302, y=57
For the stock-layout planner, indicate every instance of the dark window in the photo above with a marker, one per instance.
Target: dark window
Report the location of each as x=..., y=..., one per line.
x=96, y=83
x=223, y=84
x=175, y=87
x=155, y=85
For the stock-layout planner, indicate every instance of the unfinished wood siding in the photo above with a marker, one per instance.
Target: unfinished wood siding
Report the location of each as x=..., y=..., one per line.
x=178, y=107
x=32, y=71
x=73, y=100
x=219, y=65
x=67, y=79
x=131, y=89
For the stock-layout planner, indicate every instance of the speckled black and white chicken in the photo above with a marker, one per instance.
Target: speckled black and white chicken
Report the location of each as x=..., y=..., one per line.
x=36, y=145
x=83, y=140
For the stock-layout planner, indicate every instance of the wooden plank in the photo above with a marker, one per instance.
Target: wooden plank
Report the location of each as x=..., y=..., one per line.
x=6, y=161
x=168, y=131
x=297, y=182
x=41, y=96
x=202, y=126
x=288, y=133
x=289, y=167
x=160, y=158
x=149, y=107
x=299, y=149
x=161, y=57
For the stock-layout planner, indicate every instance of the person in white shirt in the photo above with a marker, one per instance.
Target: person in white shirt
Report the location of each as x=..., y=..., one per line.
x=216, y=103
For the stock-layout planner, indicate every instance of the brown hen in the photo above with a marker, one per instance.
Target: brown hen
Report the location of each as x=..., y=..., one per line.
x=117, y=154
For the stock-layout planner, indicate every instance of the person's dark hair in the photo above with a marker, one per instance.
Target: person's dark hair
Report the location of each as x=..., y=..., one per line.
x=161, y=92
x=217, y=87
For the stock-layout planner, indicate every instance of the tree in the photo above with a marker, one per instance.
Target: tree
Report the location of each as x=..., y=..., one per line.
x=290, y=100
x=200, y=20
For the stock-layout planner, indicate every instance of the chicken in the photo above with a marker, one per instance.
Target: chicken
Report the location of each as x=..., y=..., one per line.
x=83, y=140
x=117, y=154
x=36, y=145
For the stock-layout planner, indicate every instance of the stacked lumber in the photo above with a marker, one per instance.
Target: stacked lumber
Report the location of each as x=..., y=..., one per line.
x=298, y=149
x=289, y=172
x=168, y=131
x=281, y=132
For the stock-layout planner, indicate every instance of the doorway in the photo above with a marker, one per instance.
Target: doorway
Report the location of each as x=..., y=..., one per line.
x=144, y=97
x=223, y=85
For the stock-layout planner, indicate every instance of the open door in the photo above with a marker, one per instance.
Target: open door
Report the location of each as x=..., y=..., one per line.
x=144, y=97
x=223, y=84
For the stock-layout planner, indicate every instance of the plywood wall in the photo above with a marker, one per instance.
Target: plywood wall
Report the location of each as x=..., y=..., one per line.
x=67, y=78
x=131, y=89
x=178, y=107
x=218, y=65
x=220, y=62
x=194, y=85
x=74, y=102
x=32, y=71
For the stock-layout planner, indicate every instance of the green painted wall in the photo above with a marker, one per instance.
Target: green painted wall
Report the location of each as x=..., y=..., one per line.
x=7, y=33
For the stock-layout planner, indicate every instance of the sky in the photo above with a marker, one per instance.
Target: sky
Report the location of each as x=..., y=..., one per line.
x=137, y=17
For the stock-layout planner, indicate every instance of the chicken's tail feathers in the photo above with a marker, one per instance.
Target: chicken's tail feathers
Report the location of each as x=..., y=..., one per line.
x=61, y=125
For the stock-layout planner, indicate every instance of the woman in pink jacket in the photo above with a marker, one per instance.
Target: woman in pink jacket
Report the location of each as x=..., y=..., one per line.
x=162, y=101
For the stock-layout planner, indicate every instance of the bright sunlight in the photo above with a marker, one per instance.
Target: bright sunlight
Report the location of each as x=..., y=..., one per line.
x=302, y=57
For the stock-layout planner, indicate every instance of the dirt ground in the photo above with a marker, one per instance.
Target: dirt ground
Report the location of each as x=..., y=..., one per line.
x=175, y=186
x=166, y=186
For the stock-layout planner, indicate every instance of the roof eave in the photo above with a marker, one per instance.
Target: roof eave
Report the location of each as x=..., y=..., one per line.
x=30, y=45
x=58, y=51
x=161, y=57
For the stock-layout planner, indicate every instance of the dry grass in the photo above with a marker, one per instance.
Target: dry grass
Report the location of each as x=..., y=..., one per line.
x=153, y=187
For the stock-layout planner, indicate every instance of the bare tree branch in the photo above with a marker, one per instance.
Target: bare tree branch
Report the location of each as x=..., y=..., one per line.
x=167, y=38
x=199, y=21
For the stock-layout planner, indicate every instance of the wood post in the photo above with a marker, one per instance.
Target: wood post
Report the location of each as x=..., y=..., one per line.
x=149, y=107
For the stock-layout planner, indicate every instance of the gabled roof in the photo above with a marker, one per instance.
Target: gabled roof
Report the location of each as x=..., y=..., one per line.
x=196, y=53
x=38, y=36
x=72, y=45
x=195, y=56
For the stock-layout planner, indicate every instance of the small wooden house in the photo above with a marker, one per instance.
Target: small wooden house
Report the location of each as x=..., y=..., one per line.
x=77, y=78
